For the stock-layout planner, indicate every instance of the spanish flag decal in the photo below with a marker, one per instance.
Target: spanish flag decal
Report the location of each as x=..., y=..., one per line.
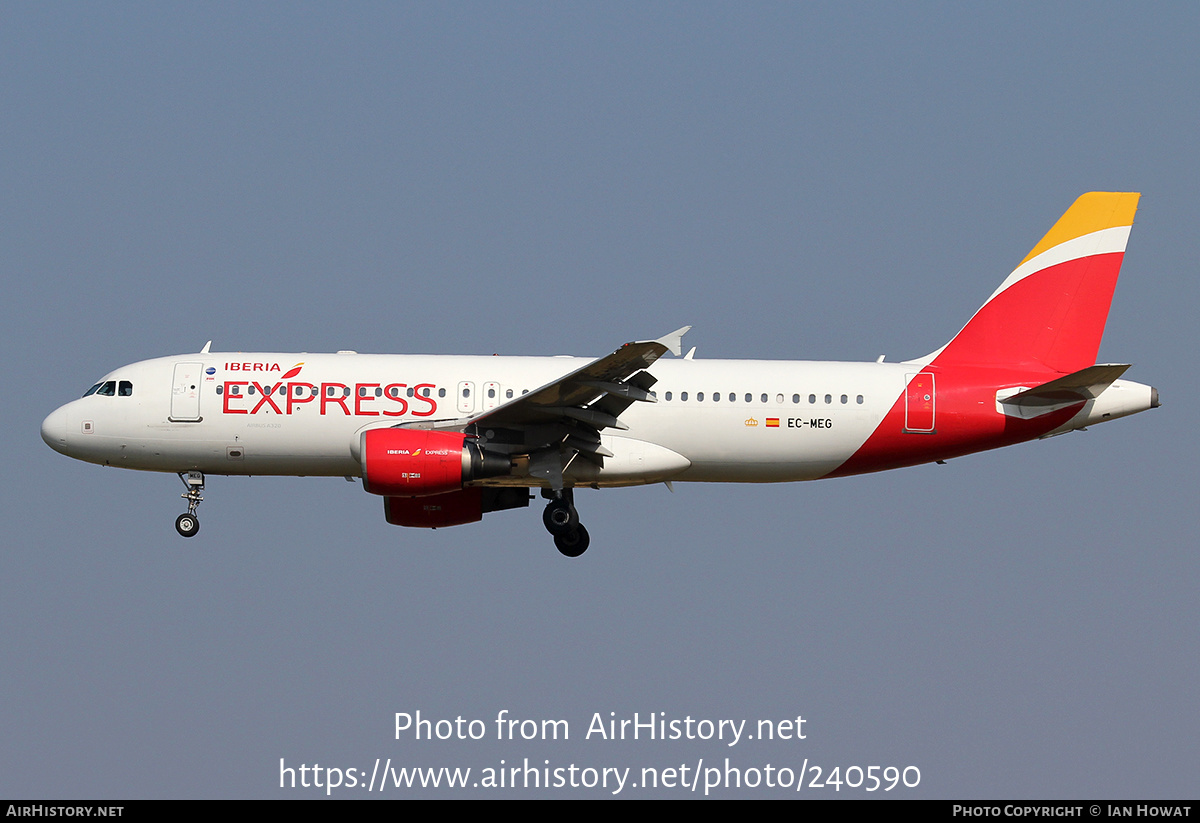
x=772, y=422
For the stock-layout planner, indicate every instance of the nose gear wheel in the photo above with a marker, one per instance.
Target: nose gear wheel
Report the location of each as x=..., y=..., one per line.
x=188, y=524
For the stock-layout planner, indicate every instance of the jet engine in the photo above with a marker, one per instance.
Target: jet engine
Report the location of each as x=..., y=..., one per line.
x=420, y=463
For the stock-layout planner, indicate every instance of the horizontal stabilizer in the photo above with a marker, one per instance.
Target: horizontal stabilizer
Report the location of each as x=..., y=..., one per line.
x=1086, y=384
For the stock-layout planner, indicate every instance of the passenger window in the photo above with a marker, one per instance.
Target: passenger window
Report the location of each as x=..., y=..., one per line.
x=732, y=397
x=699, y=397
x=860, y=400
x=683, y=396
x=219, y=390
x=764, y=398
x=812, y=398
x=379, y=392
x=491, y=393
x=716, y=396
x=795, y=398
x=844, y=398
x=442, y=392
x=749, y=397
x=425, y=393
x=508, y=393
x=667, y=395
x=829, y=398
x=779, y=399
x=411, y=391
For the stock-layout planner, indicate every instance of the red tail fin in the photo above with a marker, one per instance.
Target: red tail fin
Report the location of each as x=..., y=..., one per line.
x=1050, y=312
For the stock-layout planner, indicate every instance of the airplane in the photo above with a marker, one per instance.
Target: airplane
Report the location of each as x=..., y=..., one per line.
x=444, y=440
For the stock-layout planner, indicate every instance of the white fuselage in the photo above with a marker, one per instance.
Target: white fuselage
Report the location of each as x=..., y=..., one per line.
x=715, y=420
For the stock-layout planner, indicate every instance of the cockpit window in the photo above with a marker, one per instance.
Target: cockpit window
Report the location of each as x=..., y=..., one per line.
x=111, y=388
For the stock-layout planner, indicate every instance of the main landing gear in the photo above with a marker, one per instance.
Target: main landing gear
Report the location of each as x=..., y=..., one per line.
x=562, y=521
x=187, y=524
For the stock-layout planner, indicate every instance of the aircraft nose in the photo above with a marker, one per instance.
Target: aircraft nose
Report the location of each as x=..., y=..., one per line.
x=54, y=429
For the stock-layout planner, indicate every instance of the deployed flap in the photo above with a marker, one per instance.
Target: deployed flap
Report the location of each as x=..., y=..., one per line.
x=1085, y=384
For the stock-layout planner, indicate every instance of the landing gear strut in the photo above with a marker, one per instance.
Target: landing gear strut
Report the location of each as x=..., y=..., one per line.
x=562, y=520
x=188, y=524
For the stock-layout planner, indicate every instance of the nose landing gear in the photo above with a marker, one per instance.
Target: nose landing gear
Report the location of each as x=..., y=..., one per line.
x=562, y=521
x=188, y=524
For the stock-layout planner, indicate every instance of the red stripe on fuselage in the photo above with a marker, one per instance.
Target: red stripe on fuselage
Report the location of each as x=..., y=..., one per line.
x=967, y=421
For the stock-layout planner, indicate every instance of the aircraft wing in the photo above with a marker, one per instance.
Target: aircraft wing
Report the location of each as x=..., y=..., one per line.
x=561, y=421
x=595, y=394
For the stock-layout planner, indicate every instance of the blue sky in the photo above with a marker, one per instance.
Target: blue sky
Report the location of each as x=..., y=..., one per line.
x=797, y=181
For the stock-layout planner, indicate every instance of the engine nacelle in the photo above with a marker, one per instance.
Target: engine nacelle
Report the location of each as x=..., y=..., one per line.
x=420, y=463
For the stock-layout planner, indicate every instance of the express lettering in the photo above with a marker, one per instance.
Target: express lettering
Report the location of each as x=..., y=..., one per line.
x=287, y=398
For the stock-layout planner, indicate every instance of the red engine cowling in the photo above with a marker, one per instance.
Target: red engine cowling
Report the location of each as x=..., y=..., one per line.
x=420, y=463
